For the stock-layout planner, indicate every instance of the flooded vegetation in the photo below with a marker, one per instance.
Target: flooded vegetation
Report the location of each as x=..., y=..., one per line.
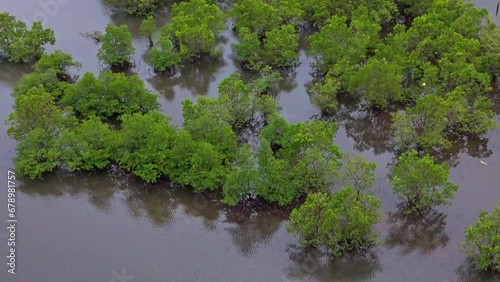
x=101, y=225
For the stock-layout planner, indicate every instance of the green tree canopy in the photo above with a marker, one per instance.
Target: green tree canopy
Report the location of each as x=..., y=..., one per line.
x=243, y=102
x=59, y=62
x=358, y=173
x=274, y=183
x=341, y=47
x=482, y=240
x=195, y=163
x=37, y=109
x=194, y=27
x=323, y=94
x=207, y=121
x=117, y=49
x=109, y=95
x=136, y=7
x=278, y=49
x=87, y=146
x=261, y=16
x=243, y=177
x=148, y=27
x=342, y=221
x=296, y=159
x=47, y=79
x=281, y=47
x=378, y=82
x=37, y=123
x=248, y=49
x=421, y=182
x=423, y=126
x=318, y=12
x=490, y=48
x=414, y=8
x=143, y=144
x=18, y=44
x=162, y=57
x=37, y=154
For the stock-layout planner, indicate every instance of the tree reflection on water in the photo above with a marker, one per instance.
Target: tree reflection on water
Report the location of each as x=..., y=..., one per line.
x=314, y=265
x=257, y=231
x=416, y=232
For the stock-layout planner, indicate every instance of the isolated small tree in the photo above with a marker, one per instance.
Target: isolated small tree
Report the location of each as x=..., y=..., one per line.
x=117, y=49
x=281, y=47
x=343, y=221
x=162, y=56
x=147, y=28
x=482, y=240
x=421, y=182
x=143, y=143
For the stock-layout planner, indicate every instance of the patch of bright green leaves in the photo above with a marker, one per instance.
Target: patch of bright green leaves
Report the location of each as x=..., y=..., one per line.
x=20, y=44
x=482, y=240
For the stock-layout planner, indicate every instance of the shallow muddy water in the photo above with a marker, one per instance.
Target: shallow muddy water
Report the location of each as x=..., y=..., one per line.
x=104, y=227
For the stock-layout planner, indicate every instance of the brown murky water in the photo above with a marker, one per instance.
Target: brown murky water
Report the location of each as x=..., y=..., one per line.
x=81, y=228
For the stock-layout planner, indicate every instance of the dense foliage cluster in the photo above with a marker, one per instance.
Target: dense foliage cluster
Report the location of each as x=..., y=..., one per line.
x=292, y=160
x=342, y=220
x=441, y=66
x=110, y=95
x=268, y=33
x=194, y=28
x=20, y=44
x=162, y=56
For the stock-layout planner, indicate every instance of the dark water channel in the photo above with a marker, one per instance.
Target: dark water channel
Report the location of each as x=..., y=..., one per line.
x=105, y=228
